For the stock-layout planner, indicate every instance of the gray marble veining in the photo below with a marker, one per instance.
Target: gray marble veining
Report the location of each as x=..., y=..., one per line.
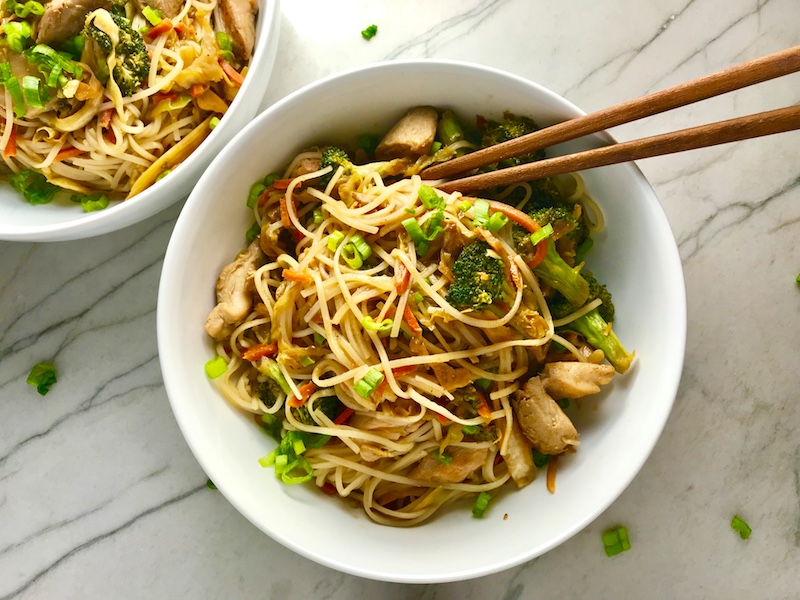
x=101, y=498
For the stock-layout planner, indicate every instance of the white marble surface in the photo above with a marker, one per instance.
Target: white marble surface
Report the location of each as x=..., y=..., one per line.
x=101, y=498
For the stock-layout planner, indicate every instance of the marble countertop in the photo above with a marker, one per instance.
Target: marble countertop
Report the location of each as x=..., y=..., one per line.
x=101, y=498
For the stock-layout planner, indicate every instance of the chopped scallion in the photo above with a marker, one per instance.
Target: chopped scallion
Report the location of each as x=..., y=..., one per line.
x=33, y=186
x=615, y=540
x=496, y=222
x=306, y=361
x=35, y=96
x=429, y=198
x=465, y=206
x=410, y=211
x=91, y=202
x=370, y=32
x=361, y=246
x=334, y=239
x=298, y=446
x=317, y=215
x=319, y=340
x=152, y=15
x=483, y=384
x=253, y=232
x=417, y=297
x=542, y=234
x=480, y=213
x=442, y=457
x=163, y=174
x=366, y=385
x=216, y=367
x=435, y=147
x=383, y=327
x=302, y=463
x=212, y=124
x=256, y=191
x=469, y=429
x=351, y=256
x=42, y=376
x=739, y=525
x=481, y=504
x=268, y=459
x=210, y=484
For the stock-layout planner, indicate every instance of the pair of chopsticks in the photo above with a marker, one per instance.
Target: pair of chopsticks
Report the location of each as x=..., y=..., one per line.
x=733, y=130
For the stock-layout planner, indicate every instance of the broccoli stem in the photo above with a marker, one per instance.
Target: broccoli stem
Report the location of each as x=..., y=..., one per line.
x=558, y=274
x=596, y=331
x=449, y=129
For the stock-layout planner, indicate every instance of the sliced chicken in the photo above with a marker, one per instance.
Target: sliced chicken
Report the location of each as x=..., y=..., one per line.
x=168, y=8
x=63, y=19
x=411, y=136
x=234, y=292
x=306, y=166
x=239, y=20
x=575, y=379
x=465, y=461
x=518, y=456
x=542, y=420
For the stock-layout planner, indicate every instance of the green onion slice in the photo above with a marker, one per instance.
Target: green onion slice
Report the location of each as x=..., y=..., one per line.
x=370, y=32
x=256, y=191
x=252, y=233
x=442, y=457
x=351, y=256
x=542, y=234
x=429, y=198
x=216, y=367
x=361, y=246
x=306, y=361
x=152, y=15
x=317, y=216
x=383, y=327
x=539, y=459
x=465, y=206
x=33, y=186
x=481, y=504
x=42, y=376
x=480, y=213
x=616, y=541
x=497, y=221
x=366, y=385
x=740, y=526
x=334, y=239
x=213, y=122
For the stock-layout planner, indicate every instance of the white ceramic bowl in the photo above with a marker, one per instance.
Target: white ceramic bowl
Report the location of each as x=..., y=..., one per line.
x=636, y=256
x=64, y=220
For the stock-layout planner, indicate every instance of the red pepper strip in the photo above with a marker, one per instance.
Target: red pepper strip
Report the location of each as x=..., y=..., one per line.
x=11, y=146
x=290, y=275
x=551, y=474
x=441, y=418
x=110, y=136
x=520, y=218
x=259, y=351
x=297, y=236
x=328, y=488
x=402, y=276
x=232, y=73
x=285, y=220
x=105, y=118
x=344, y=415
x=180, y=29
x=305, y=393
x=164, y=25
x=282, y=184
x=66, y=153
x=413, y=324
x=400, y=371
x=483, y=410
x=197, y=90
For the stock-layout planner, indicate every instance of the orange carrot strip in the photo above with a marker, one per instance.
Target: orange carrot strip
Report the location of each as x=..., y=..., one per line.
x=290, y=275
x=551, y=474
x=163, y=26
x=105, y=117
x=259, y=351
x=305, y=393
x=11, y=146
x=441, y=418
x=483, y=410
x=197, y=90
x=401, y=278
x=528, y=223
x=66, y=153
x=285, y=220
x=232, y=73
x=281, y=184
x=413, y=324
x=400, y=371
x=344, y=415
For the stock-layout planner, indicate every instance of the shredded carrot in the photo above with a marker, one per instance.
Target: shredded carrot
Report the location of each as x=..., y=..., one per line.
x=161, y=96
x=164, y=26
x=413, y=324
x=282, y=184
x=290, y=275
x=528, y=223
x=105, y=117
x=197, y=90
x=483, y=410
x=328, y=488
x=234, y=75
x=400, y=371
x=67, y=153
x=305, y=393
x=551, y=474
x=180, y=29
x=110, y=136
x=441, y=418
x=401, y=278
x=259, y=351
x=286, y=222
x=264, y=197
x=11, y=146
x=344, y=415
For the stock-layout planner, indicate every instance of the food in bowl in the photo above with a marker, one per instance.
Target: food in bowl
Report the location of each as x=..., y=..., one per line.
x=106, y=97
x=411, y=348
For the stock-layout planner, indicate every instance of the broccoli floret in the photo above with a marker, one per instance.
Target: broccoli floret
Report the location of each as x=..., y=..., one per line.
x=330, y=407
x=564, y=222
x=598, y=290
x=595, y=329
x=336, y=157
x=509, y=128
x=480, y=433
x=479, y=277
x=131, y=62
x=268, y=391
x=565, y=279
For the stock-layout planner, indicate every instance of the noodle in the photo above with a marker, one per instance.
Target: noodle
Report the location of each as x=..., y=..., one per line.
x=356, y=333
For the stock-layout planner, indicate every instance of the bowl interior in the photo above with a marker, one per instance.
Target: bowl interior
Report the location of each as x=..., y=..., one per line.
x=65, y=220
x=636, y=256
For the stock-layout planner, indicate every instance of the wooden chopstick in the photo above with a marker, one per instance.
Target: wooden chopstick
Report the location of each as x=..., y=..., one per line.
x=734, y=78
x=722, y=132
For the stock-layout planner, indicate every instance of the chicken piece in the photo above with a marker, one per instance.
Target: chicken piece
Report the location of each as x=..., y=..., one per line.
x=234, y=292
x=575, y=379
x=63, y=19
x=239, y=20
x=518, y=456
x=168, y=8
x=542, y=420
x=465, y=461
x=451, y=378
x=411, y=136
x=306, y=166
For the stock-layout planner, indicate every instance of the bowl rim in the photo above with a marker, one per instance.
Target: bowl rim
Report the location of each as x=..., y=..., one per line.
x=144, y=205
x=171, y=267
